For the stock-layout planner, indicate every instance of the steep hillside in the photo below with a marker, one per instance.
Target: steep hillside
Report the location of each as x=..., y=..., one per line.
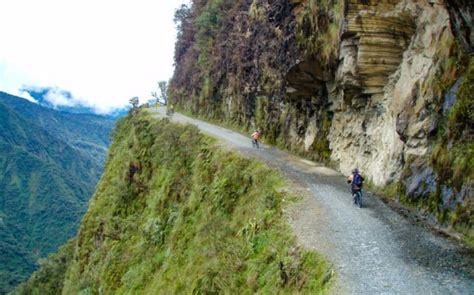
x=49, y=172
x=380, y=85
x=87, y=133
x=175, y=213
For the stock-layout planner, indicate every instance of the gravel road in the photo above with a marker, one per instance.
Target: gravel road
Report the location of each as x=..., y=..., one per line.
x=374, y=250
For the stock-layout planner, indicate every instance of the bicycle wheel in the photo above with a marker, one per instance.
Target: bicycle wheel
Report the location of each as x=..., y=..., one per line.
x=359, y=199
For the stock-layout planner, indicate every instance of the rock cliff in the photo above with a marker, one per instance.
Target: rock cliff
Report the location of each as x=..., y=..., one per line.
x=372, y=84
x=461, y=15
x=384, y=107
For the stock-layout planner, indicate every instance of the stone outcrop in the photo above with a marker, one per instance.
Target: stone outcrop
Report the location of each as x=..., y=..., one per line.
x=374, y=37
x=383, y=107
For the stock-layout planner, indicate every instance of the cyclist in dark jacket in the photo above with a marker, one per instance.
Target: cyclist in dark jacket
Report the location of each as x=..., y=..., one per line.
x=356, y=180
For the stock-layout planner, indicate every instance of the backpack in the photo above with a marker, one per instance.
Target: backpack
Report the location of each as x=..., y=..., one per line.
x=357, y=180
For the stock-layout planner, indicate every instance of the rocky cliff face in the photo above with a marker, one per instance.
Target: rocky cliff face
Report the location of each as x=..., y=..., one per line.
x=461, y=14
x=357, y=83
x=384, y=108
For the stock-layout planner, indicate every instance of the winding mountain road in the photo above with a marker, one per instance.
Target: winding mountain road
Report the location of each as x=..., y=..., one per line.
x=374, y=250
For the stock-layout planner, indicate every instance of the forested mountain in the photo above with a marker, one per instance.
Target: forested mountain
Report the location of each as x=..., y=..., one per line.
x=50, y=162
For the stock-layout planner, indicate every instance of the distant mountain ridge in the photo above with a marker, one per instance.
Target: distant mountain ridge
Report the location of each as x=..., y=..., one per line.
x=40, y=95
x=50, y=162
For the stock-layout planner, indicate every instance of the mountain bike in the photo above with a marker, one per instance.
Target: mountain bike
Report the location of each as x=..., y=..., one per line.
x=255, y=143
x=357, y=196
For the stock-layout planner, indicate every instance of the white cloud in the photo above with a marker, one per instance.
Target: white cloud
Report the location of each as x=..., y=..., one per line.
x=102, y=51
x=57, y=97
x=25, y=95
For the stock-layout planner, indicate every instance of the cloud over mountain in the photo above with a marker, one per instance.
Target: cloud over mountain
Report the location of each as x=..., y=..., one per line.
x=63, y=100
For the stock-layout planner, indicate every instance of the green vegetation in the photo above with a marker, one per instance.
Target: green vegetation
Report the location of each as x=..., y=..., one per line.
x=50, y=163
x=175, y=213
x=207, y=24
x=453, y=156
x=49, y=278
x=317, y=30
x=451, y=64
x=461, y=116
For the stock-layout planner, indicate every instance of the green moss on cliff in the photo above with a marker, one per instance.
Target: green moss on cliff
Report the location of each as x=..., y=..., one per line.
x=446, y=192
x=175, y=214
x=461, y=116
x=453, y=156
x=318, y=27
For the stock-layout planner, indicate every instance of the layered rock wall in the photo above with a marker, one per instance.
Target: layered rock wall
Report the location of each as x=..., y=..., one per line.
x=383, y=107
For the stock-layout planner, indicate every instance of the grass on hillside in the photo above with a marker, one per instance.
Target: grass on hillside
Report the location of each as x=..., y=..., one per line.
x=176, y=214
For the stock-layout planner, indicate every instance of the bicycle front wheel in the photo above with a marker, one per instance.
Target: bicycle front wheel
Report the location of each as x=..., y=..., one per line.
x=359, y=199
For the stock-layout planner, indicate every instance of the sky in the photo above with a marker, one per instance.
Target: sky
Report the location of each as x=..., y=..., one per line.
x=102, y=51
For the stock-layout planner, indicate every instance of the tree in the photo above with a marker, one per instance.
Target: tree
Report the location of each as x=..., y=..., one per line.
x=161, y=97
x=163, y=87
x=182, y=16
x=134, y=101
x=185, y=31
x=154, y=94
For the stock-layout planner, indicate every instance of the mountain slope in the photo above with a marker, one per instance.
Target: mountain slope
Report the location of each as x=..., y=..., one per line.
x=85, y=132
x=175, y=214
x=49, y=170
